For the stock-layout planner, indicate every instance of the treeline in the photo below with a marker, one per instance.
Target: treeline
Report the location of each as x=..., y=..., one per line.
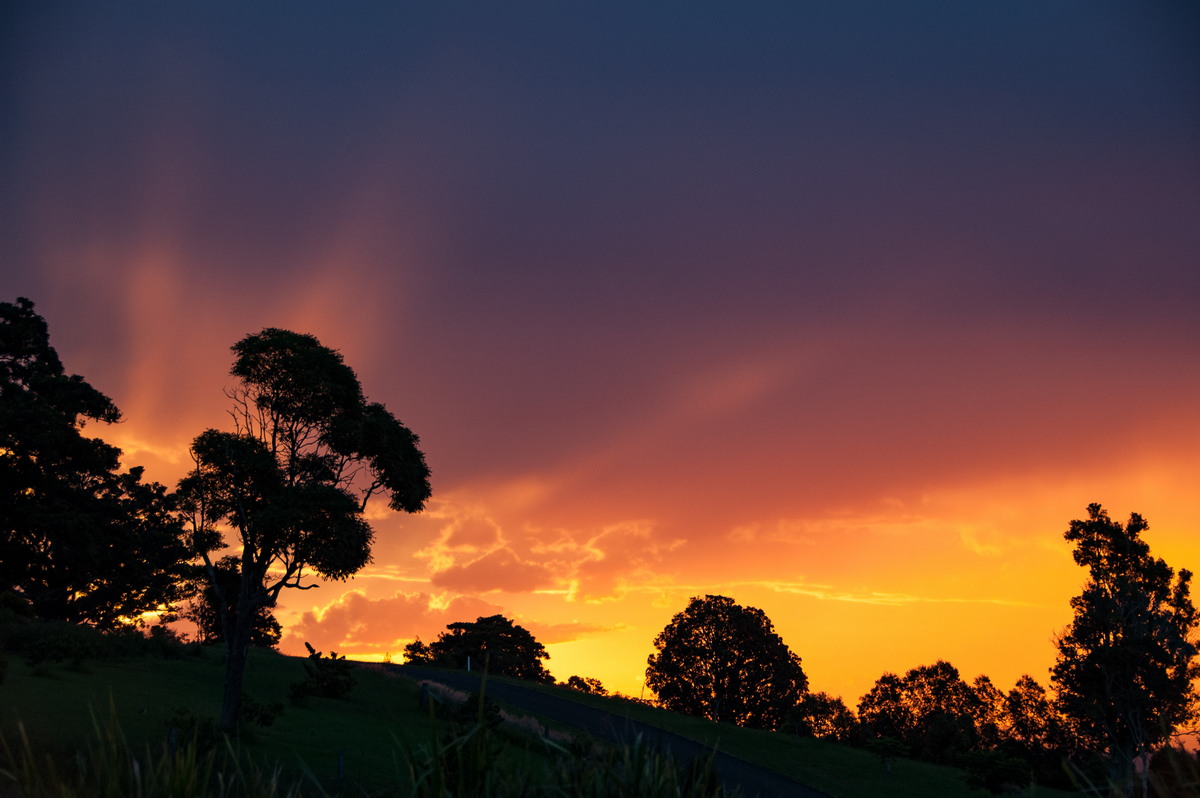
x=720, y=660
x=1120, y=691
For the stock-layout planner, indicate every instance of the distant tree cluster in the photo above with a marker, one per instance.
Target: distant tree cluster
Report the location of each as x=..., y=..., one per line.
x=493, y=644
x=722, y=661
x=586, y=684
x=1123, y=683
x=496, y=646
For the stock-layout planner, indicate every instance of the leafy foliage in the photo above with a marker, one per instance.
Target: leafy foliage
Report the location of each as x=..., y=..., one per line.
x=327, y=677
x=887, y=750
x=493, y=643
x=82, y=540
x=722, y=661
x=292, y=481
x=1174, y=771
x=996, y=771
x=823, y=716
x=418, y=653
x=1126, y=663
x=586, y=684
x=40, y=642
x=930, y=709
x=1035, y=731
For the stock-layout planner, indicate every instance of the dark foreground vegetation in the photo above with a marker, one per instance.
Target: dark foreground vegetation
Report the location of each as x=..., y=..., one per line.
x=90, y=713
x=128, y=716
x=115, y=715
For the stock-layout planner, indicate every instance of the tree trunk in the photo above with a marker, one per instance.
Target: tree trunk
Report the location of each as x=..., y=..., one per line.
x=237, y=646
x=235, y=673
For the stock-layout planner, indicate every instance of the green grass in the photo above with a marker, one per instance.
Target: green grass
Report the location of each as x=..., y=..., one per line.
x=378, y=727
x=841, y=770
x=98, y=732
x=120, y=709
x=56, y=705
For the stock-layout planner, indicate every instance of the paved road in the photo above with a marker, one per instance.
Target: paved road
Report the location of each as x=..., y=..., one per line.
x=753, y=781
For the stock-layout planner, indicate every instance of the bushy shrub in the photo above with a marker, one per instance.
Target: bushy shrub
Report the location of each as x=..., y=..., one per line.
x=480, y=710
x=327, y=677
x=996, y=772
x=186, y=727
x=259, y=713
x=44, y=642
x=15, y=605
x=58, y=641
x=165, y=642
x=586, y=684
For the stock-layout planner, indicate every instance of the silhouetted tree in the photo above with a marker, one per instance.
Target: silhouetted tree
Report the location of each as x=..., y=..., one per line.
x=1032, y=720
x=884, y=711
x=1033, y=730
x=493, y=643
x=211, y=619
x=1174, y=772
x=724, y=662
x=80, y=539
x=823, y=716
x=327, y=677
x=930, y=709
x=988, y=711
x=293, y=480
x=586, y=684
x=1127, y=661
x=417, y=653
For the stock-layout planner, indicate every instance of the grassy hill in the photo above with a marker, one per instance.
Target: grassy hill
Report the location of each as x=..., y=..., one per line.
x=841, y=770
x=378, y=732
x=60, y=705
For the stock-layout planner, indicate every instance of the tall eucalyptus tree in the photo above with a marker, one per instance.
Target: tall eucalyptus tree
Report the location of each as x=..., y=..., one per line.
x=290, y=484
x=1127, y=662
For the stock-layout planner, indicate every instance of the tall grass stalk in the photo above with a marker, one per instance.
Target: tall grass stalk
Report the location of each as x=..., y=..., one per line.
x=109, y=768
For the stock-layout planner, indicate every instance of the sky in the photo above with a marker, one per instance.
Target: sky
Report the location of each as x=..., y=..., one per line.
x=841, y=310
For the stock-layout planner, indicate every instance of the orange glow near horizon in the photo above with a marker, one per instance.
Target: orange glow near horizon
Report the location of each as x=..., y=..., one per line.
x=974, y=573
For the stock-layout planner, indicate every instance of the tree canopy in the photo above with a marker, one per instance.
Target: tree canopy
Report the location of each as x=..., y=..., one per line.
x=493, y=643
x=1126, y=663
x=586, y=684
x=930, y=709
x=722, y=661
x=292, y=481
x=81, y=539
x=823, y=716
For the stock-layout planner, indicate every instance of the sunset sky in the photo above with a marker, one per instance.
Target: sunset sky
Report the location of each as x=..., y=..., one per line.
x=842, y=310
